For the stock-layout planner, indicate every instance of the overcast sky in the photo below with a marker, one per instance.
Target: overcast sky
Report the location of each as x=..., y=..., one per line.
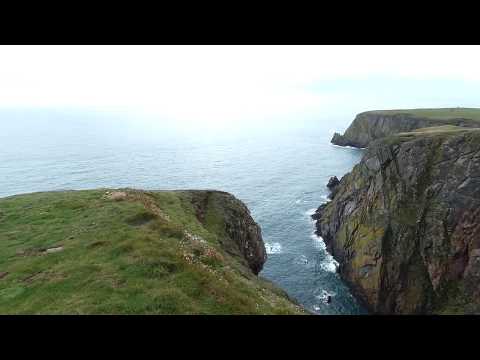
x=218, y=84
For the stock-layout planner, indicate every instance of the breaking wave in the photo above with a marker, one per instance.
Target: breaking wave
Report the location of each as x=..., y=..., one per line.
x=273, y=248
x=348, y=147
x=328, y=263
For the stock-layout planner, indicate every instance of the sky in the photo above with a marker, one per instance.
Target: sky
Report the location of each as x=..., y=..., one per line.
x=222, y=85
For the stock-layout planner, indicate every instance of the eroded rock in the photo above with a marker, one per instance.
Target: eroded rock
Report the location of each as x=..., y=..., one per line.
x=243, y=236
x=405, y=224
x=332, y=182
x=372, y=125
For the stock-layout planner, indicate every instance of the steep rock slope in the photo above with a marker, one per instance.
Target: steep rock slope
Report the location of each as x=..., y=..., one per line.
x=405, y=223
x=133, y=252
x=371, y=125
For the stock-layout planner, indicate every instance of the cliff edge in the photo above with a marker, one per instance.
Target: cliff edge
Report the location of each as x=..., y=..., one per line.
x=404, y=224
x=372, y=125
x=125, y=251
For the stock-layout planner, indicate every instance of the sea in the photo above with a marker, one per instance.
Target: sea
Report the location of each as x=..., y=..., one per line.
x=279, y=169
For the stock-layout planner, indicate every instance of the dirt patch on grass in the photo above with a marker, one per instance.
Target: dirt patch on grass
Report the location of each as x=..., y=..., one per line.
x=137, y=195
x=44, y=276
x=31, y=278
x=96, y=244
x=37, y=251
x=3, y=274
x=28, y=252
x=148, y=202
x=116, y=195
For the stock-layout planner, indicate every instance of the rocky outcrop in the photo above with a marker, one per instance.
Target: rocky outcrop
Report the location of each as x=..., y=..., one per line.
x=405, y=223
x=243, y=236
x=332, y=185
x=372, y=125
x=333, y=182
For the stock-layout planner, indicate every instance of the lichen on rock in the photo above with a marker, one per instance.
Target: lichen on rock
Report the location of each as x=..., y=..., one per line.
x=404, y=224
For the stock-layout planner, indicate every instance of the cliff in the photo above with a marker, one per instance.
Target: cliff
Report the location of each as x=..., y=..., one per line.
x=133, y=252
x=405, y=223
x=372, y=125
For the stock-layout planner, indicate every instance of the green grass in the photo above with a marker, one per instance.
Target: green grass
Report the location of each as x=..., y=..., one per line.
x=127, y=256
x=439, y=132
x=437, y=114
x=442, y=129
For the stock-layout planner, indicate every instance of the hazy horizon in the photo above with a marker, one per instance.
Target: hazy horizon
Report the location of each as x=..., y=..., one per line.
x=253, y=121
x=222, y=87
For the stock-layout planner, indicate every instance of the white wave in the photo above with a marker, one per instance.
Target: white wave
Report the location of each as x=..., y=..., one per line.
x=329, y=263
x=318, y=242
x=325, y=198
x=298, y=201
x=302, y=259
x=325, y=297
x=325, y=294
x=348, y=147
x=273, y=248
x=310, y=212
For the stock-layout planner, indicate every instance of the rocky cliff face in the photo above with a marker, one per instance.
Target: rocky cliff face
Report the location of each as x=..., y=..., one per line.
x=405, y=223
x=243, y=236
x=371, y=125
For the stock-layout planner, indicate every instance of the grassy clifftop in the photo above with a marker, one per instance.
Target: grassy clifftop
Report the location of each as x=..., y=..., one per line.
x=429, y=132
x=131, y=252
x=372, y=125
x=438, y=113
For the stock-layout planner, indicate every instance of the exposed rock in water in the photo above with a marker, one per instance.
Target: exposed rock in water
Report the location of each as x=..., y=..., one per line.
x=318, y=214
x=342, y=140
x=372, y=125
x=405, y=223
x=332, y=185
x=333, y=182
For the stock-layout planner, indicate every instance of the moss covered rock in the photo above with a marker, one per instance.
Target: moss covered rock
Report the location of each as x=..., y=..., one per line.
x=405, y=223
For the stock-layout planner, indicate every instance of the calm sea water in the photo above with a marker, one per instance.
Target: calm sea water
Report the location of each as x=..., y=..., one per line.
x=278, y=169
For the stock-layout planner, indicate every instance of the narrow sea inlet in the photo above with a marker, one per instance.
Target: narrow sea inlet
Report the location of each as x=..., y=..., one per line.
x=279, y=173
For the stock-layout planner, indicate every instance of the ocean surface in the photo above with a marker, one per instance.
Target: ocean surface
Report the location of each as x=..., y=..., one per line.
x=279, y=169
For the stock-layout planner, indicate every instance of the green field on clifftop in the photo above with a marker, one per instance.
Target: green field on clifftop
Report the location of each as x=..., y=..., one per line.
x=123, y=252
x=437, y=114
x=437, y=130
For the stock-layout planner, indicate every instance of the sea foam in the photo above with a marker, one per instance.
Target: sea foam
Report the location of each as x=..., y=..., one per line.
x=328, y=263
x=273, y=248
x=310, y=212
x=348, y=147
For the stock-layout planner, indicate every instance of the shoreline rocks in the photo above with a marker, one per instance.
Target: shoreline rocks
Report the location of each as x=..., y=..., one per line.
x=332, y=182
